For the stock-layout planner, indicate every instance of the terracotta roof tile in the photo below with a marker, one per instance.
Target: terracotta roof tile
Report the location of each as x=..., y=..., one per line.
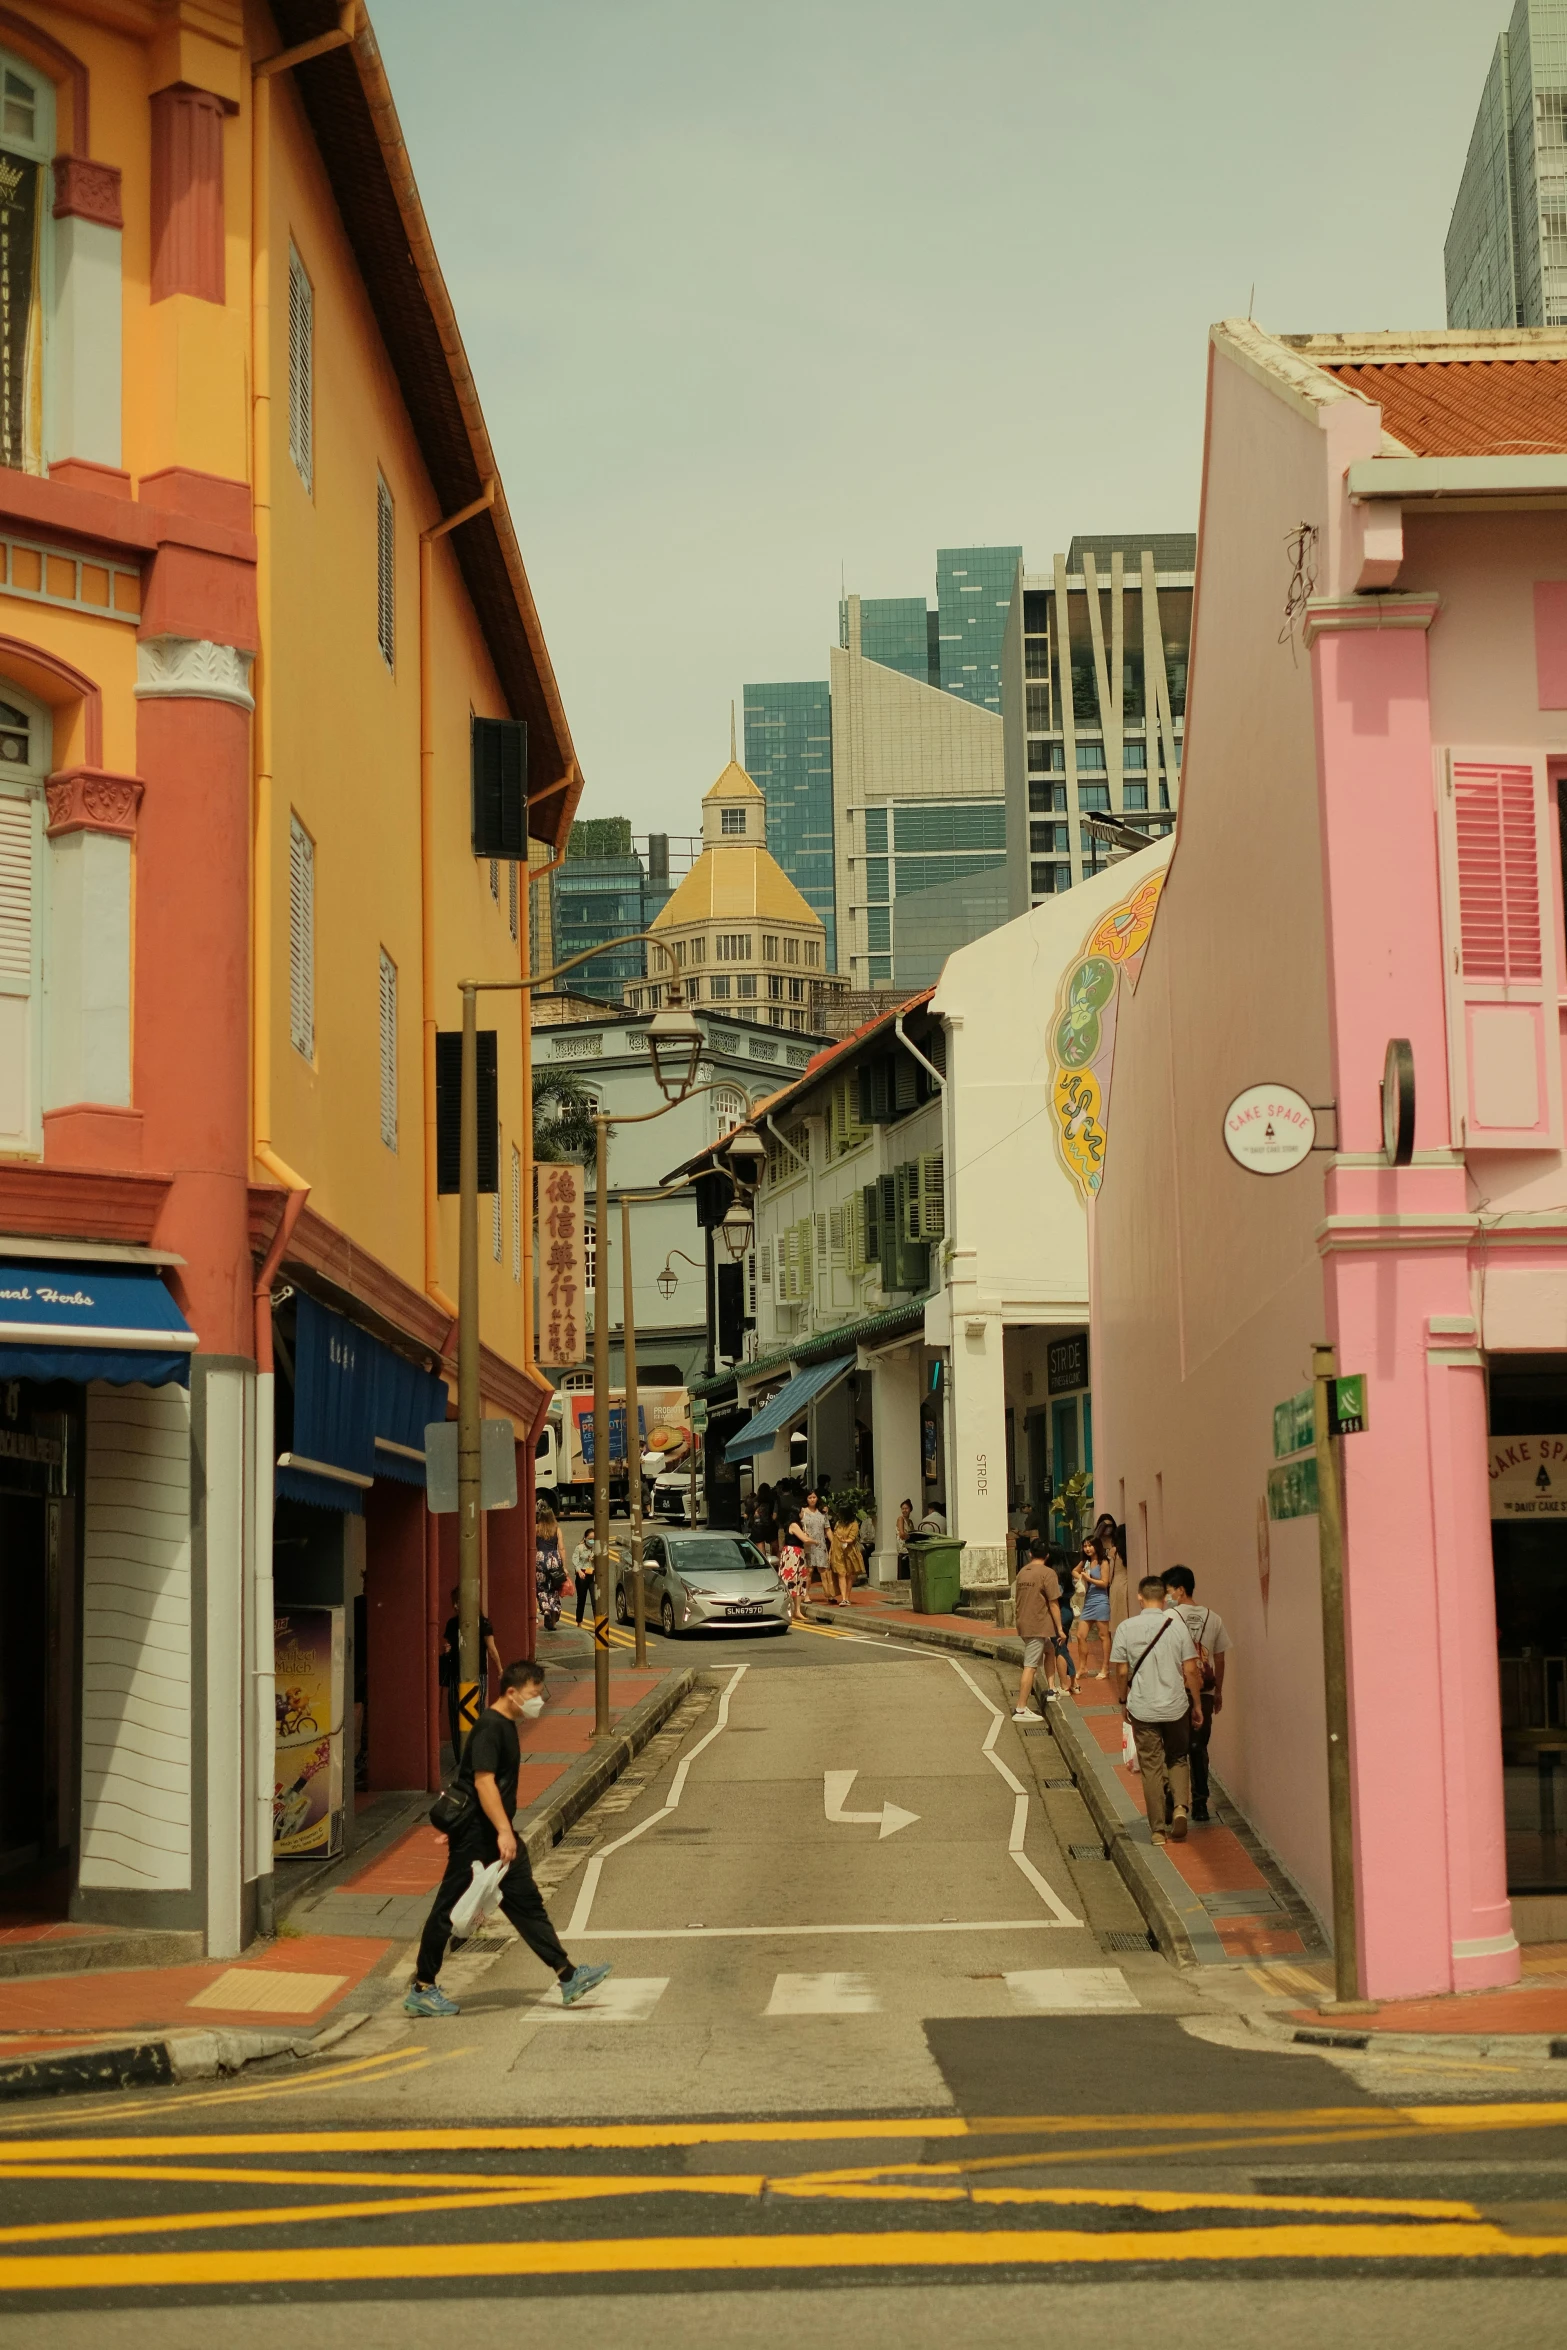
x=1468, y=408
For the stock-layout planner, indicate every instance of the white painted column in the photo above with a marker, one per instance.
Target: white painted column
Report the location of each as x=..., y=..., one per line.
x=87, y=1005
x=222, y=1434
x=977, y=1468
x=895, y=1442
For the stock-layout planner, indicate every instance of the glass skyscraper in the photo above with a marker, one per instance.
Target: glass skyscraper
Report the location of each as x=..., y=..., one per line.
x=973, y=597
x=600, y=893
x=788, y=754
x=899, y=632
x=1506, y=252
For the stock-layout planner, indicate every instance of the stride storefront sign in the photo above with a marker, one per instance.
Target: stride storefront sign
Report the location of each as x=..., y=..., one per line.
x=1528, y=1476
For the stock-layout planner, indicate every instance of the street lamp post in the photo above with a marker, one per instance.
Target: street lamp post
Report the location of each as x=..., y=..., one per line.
x=469, y=1402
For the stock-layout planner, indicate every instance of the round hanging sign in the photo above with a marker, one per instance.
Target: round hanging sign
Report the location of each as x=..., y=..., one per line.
x=1268, y=1129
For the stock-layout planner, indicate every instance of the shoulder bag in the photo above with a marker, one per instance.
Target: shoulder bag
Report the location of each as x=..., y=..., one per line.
x=1128, y=1735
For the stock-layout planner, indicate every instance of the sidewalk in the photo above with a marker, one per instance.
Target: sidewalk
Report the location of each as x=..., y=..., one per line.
x=1220, y=1899
x=342, y=1939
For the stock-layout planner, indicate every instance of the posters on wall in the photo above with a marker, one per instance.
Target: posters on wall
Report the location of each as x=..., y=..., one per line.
x=307, y=1785
x=1528, y=1476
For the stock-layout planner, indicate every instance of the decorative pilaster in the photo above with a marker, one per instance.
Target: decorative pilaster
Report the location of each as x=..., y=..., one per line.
x=186, y=668
x=91, y=799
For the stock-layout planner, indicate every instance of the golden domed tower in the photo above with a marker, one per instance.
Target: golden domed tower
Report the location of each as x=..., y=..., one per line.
x=737, y=932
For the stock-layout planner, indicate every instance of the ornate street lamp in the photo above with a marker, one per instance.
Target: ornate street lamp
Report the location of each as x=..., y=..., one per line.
x=674, y=1043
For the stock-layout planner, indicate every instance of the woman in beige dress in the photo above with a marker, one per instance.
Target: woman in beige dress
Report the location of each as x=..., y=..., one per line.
x=1108, y=1536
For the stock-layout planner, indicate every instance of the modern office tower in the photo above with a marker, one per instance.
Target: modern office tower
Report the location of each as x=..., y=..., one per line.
x=599, y=893
x=788, y=751
x=900, y=632
x=919, y=819
x=973, y=592
x=1506, y=252
x=1093, y=703
x=736, y=932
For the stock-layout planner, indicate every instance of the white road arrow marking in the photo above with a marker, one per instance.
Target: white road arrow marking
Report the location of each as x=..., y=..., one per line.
x=891, y=1816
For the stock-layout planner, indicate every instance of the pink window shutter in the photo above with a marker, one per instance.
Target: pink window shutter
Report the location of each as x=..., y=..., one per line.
x=1505, y=1059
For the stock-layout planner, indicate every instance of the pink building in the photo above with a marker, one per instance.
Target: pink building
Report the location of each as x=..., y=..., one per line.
x=1370, y=849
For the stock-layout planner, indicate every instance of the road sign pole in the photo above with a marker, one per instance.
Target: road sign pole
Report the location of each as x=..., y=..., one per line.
x=633, y=1438
x=468, y=1403
x=601, y=1426
x=1341, y=1824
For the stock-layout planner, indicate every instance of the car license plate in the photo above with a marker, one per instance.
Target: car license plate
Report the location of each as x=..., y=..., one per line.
x=745, y=1607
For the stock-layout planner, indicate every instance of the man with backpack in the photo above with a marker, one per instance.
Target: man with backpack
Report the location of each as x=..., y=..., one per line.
x=475, y=1815
x=1156, y=1676
x=1211, y=1642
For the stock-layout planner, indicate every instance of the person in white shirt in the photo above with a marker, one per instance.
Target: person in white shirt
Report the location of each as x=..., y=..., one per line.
x=1156, y=1676
x=932, y=1522
x=1211, y=1642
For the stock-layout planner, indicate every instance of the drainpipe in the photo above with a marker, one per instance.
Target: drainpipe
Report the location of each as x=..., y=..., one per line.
x=432, y=1212
x=911, y=1048
x=526, y=880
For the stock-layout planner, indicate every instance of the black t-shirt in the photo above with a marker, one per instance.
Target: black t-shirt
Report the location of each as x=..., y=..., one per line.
x=449, y=1660
x=493, y=1747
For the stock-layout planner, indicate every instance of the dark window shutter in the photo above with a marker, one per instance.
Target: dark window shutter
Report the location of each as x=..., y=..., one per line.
x=888, y=1220
x=715, y=1196
x=500, y=788
x=872, y=1199
x=448, y=1111
x=731, y=1311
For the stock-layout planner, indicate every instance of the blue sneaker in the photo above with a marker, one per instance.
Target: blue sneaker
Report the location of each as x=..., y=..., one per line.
x=582, y=1980
x=429, y=1999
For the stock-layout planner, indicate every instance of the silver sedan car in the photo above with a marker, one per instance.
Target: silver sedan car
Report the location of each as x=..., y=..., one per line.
x=701, y=1582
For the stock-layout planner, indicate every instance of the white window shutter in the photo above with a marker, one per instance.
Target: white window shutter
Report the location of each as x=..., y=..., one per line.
x=16, y=894
x=301, y=367
x=388, y=1051
x=495, y=1220
x=301, y=939
x=1504, y=1061
x=385, y=574
x=516, y=1212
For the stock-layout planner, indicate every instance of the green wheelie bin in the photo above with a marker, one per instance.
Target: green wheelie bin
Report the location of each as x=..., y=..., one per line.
x=935, y=1574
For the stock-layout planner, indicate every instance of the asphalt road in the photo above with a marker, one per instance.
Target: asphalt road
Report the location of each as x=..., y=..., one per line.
x=865, y=2072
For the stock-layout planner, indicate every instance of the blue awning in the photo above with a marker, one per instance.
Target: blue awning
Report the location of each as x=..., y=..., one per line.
x=786, y=1405
x=79, y=1322
x=360, y=1412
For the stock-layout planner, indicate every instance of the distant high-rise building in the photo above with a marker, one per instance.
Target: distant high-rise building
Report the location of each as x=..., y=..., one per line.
x=973, y=592
x=788, y=753
x=1093, y=704
x=600, y=893
x=1506, y=252
x=898, y=631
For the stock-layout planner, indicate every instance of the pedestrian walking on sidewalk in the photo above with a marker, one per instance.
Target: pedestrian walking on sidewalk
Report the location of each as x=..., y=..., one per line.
x=793, y=1572
x=813, y=1525
x=1212, y=1643
x=1111, y=1539
x=582, y=1573
x=1159, y=1681
x=487, y=1776
x=1037, y=1598
x=1092, y=1577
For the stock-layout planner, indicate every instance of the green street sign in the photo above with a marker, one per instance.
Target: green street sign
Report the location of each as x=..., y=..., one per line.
x=1292, y=1490
x=1347, y=1405
x=1294, y=1425
x=698, y=1413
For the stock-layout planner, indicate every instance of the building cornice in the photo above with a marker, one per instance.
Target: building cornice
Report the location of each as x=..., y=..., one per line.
x=1389, y=608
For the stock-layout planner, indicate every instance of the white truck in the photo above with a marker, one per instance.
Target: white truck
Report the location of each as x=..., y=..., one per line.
x=563, y=1454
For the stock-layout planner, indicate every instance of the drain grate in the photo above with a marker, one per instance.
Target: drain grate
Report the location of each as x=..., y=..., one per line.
x=1142, y=1941
x=1059, y=1784
x=1086, y=1851
x=1256, y=1903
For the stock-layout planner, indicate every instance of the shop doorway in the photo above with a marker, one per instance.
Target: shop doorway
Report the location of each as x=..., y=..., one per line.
x=39, y=1455
x=1528, y=1486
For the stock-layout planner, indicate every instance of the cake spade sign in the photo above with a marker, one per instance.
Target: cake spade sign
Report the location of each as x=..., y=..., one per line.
x=1268, y=1129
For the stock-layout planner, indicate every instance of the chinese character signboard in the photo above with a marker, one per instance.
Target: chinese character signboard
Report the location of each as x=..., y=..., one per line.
x=1528, y=1476
x=562, y=1263
x=1294, y=1425
x=1292, y=1489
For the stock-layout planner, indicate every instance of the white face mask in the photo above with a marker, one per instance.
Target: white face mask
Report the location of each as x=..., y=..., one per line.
x=532, y=1708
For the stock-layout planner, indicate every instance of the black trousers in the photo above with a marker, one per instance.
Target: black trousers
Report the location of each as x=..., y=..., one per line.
x=584, y=1596
x=1200, y=1738
x=522, y=1904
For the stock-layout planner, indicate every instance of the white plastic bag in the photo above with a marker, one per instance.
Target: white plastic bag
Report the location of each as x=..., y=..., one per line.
x=481, y=1899
x=1128, y=1744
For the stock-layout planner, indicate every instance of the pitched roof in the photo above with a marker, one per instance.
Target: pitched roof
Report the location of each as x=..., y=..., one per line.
x=734, y=784
x=735, y=878
x=348, y=103
x=1468, y=408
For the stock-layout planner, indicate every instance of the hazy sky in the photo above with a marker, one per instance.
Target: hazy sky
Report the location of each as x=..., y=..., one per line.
x=757, y=288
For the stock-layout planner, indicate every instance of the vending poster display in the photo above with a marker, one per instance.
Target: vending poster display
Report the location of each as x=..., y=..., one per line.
x=307, y=1786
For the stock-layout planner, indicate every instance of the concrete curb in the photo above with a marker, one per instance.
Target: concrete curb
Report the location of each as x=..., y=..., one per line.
x=79, y=1954
x=154, y=2058
x=198, y=2055
x=1339, y=2033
